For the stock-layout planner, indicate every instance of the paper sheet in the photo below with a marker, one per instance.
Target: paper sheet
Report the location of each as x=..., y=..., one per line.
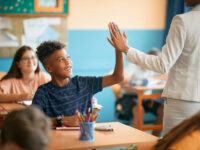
x=27, y=102
x=8, y=40
x=49, y=34
x=53, y=20
x=30, y=41
x=38, y=30
x=35, y=27
x=5, y=23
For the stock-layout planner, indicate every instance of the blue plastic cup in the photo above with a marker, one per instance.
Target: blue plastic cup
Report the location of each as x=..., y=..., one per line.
x=86, y=131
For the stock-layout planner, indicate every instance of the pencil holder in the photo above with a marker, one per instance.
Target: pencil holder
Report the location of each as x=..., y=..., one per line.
x=86, y=131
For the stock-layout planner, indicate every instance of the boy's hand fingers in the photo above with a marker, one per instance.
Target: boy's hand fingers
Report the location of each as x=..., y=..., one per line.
x=113, y=30
x=124, y=34
x=110, y=41
x=110, y=30
x=117, y=29
x=113, y=36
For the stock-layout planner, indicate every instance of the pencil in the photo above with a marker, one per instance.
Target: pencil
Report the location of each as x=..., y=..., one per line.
x=78, y=116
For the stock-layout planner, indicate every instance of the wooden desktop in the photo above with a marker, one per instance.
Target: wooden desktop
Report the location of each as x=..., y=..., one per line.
x=5, y=108
x=122, y=135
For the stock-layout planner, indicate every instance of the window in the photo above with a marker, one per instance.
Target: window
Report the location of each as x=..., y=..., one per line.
x=48, y=5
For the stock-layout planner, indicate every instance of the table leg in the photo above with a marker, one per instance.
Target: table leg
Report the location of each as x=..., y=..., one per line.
x=140, y=111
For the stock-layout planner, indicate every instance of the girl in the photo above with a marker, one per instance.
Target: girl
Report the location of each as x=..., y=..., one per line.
x=23, y=78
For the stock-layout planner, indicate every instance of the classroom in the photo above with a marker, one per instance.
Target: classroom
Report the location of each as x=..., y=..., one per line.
x=82, y=28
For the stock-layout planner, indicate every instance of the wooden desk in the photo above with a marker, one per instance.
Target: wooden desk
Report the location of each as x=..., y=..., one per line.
x=139, y=91
x=122, y=135
x=5, y=108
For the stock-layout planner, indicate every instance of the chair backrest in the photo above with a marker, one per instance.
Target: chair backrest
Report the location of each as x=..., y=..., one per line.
x=2, y=74
x=116, y=90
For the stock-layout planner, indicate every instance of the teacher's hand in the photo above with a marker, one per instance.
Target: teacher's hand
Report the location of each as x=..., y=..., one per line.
x=117, y=40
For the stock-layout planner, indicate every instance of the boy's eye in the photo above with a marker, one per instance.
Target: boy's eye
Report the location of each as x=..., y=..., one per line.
x=61, y=59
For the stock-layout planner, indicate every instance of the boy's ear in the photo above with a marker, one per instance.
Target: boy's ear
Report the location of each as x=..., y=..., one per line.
x=48, y=68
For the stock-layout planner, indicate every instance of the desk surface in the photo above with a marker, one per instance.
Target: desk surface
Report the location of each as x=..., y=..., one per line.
x=136, y=89
x=143, y=88
x=122, y=135
x=7, y=107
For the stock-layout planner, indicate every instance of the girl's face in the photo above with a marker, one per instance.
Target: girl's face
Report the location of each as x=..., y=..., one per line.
x=28, y=62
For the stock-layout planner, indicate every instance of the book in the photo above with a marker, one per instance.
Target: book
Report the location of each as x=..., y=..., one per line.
x=67, y=128
x=26, y=103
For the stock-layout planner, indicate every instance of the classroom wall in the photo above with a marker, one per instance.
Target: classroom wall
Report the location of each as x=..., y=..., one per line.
x=144, y=22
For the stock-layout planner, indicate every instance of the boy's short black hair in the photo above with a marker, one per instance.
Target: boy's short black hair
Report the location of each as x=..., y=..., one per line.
x=47, y=48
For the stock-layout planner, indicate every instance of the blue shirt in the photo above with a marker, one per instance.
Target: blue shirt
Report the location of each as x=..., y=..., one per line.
x=77, y=94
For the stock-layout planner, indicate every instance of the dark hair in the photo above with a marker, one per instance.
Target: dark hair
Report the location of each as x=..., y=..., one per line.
x=28, y=128
x=154, y=51
x=192, y=3
x=178, y=132
x=14, y=71
x=47, y=48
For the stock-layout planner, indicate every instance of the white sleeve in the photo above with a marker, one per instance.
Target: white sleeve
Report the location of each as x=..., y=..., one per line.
x=170, y=51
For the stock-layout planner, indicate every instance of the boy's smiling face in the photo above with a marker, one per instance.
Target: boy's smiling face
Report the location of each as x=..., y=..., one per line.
x=59, y=64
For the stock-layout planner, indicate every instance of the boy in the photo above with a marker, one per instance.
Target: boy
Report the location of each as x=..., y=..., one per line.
x=64, y=95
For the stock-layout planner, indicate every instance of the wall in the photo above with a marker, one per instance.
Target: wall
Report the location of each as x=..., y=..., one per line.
x=144, y=22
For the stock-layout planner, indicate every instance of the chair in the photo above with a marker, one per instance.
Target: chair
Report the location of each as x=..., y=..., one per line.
x=116, y=90
x=2, y=74
x=118, y=108
x=147, y=118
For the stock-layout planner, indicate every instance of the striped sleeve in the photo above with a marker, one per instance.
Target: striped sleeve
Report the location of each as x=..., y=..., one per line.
x=38, y=99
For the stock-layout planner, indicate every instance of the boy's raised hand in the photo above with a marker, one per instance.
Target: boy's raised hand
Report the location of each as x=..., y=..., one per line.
x=117, y=40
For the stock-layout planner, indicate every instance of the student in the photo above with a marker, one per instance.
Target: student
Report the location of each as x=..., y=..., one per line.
x=128, y=101
x=185, y=136
x=26, y=129
x=23, y=78
x=179, y=57
x=64, y=95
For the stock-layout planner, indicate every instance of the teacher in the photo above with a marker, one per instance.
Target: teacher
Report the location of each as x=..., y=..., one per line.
x=180, y=57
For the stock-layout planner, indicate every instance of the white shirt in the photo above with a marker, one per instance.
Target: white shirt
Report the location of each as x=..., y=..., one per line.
x=180, y=57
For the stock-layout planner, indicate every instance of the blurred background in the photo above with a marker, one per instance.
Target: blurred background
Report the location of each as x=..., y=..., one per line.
x=84, y=28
